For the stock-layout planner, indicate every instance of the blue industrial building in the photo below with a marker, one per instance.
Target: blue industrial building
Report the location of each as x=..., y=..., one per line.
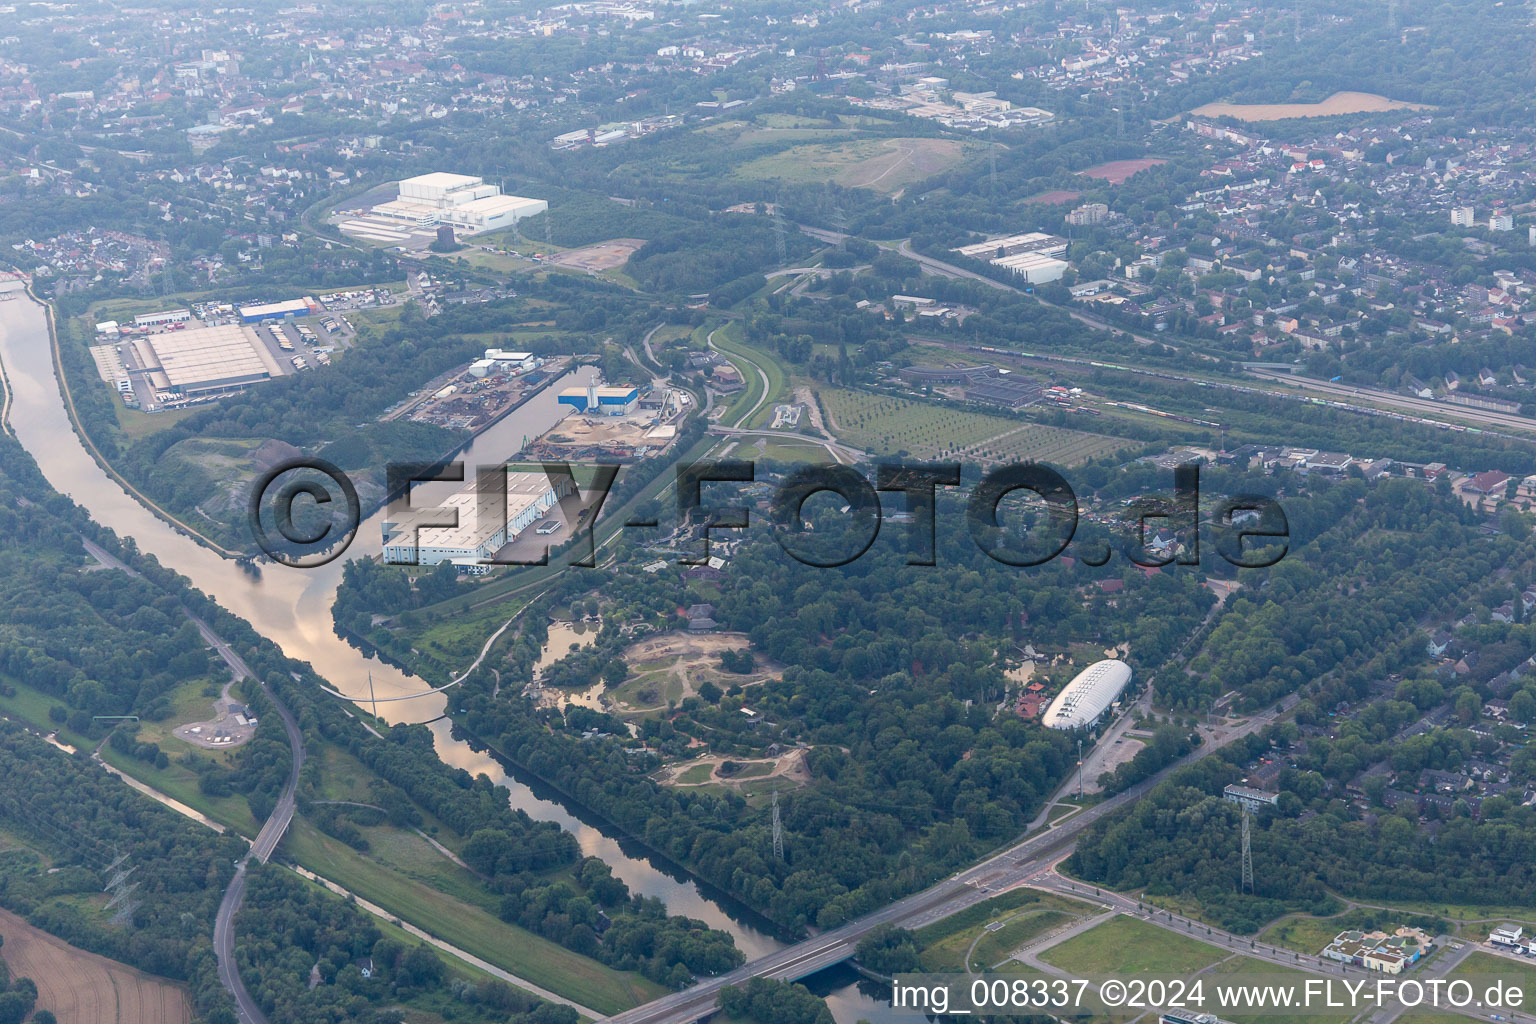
x=605, y=401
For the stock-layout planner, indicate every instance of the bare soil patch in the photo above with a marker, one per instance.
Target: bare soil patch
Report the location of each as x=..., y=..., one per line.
x=790, y=767
x=608, y=255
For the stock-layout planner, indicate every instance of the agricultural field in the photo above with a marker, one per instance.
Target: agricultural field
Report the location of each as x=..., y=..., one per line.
x=1117, y=172
x=83, y=988
x=886, y=425
x=1037, y=443
x=1338, y=103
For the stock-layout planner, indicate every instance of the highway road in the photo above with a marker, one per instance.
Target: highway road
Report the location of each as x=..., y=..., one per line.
x=1013, y=866
x=839, y=451
x=261, y=849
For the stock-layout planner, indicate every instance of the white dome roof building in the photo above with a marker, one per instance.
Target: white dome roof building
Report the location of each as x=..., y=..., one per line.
x=1088, y=695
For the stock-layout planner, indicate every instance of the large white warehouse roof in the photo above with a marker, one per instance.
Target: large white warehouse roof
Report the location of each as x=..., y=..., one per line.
x=1084, y=699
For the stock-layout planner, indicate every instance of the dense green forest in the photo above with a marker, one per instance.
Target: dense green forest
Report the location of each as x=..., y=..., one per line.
x=1397, y=554
x=1182, y=839
x=313, y=958
x=889, y=678
x=766, y=1001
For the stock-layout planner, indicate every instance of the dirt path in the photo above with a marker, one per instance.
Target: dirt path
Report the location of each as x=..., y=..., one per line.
x=906, y=155
x=806, y=397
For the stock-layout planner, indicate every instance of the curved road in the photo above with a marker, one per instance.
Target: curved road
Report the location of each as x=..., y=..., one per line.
x=762, y=375
x=266, y=840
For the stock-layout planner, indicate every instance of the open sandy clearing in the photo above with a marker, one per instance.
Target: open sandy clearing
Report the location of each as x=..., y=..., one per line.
x=705, y=771
x=599, y=257
x=671, y=667
x=83, y=988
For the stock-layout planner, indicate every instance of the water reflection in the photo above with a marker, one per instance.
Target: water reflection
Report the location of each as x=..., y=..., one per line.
x=292, y=607
x=852, y=997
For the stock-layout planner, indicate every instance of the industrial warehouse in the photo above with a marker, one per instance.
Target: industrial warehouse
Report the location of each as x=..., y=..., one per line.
x=604, y=401
x=178, y=357
x=1032, y=256
x=1093, y=691
x=415, y=536
x=467, y=204
x=185, y=364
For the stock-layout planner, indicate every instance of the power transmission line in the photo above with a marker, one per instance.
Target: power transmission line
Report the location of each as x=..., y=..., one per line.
x=778, y=829
x=1247, y=850
x=778, y=231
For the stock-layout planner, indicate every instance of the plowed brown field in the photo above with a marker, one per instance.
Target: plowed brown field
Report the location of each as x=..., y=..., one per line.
x=83, y=988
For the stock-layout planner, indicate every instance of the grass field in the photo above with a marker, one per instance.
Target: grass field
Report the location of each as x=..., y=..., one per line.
x=1301, y=932
x=181, y=783
x=471, y=928
x=695, y=774
x=1238, y=967
x=1016, y=917
x=31, y=707
x=884, y=165
x=1482, y=964
x=425, y=1008
x=748, y=361
x=136, y=424
x=887, y=425
x=190, y=702
x=787, y=451
x=176, y=781
x=992, y=947
x=452, y=641
x=1126, y=946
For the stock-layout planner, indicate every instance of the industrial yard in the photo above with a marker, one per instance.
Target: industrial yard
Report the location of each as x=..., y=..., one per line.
x=473, y=397
x=649, y=424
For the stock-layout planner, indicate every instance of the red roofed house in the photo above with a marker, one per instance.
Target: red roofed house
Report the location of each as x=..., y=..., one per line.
x=1490, y=481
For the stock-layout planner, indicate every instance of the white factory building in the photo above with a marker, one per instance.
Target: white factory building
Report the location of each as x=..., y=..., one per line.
x=469, y=204
x=485, y=526
x=498, y=360
x=1032, y=256
x=1090, y=693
